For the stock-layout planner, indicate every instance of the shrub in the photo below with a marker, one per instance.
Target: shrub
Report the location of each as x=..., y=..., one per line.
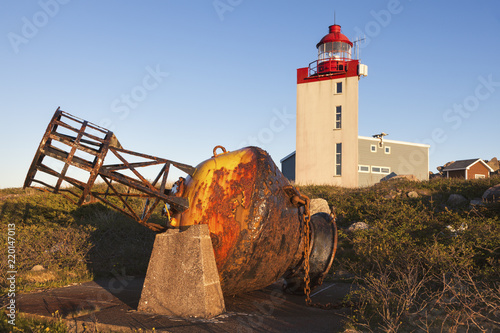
x=421, y=265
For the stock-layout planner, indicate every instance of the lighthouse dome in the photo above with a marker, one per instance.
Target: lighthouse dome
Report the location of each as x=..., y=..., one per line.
x=335, y=45
x=334, y=36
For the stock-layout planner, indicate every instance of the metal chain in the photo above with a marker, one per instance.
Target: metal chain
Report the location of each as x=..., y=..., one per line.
x=306, y=219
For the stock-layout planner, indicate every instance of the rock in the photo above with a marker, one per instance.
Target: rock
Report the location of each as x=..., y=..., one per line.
x=492, y=194
x=341, y=274
x=456, y=200
x=477, y=202
x=319, y=206
x=424, y=192
x=358, y=226
x=493, y=163
x=412, y=194
x=37, y=268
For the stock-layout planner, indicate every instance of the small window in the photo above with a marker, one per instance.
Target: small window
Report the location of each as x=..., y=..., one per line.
x=373, y=148
x=338, y=117
x=338, y=159
x=387, y=150
x=479, y=176
x=364, y=168
x=382, y=170
x=385, y=170
x=339, y=88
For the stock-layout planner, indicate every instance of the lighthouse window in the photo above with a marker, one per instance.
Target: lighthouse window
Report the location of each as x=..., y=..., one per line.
x=339, y=88
x=338, y=117
x=338, y=159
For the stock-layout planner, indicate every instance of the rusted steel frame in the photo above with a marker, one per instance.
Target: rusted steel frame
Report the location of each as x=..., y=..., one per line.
x=79, y=120
x=131, y=168
x=43, y=189
x=98, y=161
x=165, y=171
x=72, y=181
x=183, y=167
x=126, y=195
x=70, y=156
x=107, y=202
x=164, y=174
x=61, y=155
x=39, y=155
x=132, y=195
x=93, y=137
x=125, y=204
x=70, y=141
x=52, y=187
x=178, y=203
x=114, y=167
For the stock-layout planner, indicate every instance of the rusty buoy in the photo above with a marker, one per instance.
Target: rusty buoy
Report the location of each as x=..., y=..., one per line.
x=256, y=232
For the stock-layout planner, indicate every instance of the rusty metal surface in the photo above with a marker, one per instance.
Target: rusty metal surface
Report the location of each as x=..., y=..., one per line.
x=68, y=136
x=254, y=227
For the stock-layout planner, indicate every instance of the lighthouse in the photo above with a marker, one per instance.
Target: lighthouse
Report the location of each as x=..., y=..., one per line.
x=328, y=149
x=327, y=114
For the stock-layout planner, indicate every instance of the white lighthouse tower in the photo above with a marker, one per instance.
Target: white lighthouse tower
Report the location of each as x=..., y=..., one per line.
x=327, y=114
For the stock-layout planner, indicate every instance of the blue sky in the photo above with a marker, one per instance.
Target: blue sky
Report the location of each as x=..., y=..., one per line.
x=204, y=73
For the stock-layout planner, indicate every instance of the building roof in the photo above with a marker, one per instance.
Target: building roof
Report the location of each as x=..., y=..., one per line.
x=465, y=164
x=334, y=36
x=394, y=141
x=287, y=157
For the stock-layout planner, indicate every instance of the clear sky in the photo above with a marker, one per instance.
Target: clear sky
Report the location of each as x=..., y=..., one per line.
x=176, y=78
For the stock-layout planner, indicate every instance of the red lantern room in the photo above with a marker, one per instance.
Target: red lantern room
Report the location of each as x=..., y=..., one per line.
x=334, y=53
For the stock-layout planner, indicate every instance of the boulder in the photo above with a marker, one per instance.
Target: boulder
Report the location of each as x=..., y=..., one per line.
x=493, y=163
x=456, y=200
x=358, y=226
x=412, y=195
x=492, y=194
x=319, y=206
x=37, y=268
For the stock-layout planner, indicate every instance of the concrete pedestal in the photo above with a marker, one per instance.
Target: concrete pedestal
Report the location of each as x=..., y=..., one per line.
x=182, y=278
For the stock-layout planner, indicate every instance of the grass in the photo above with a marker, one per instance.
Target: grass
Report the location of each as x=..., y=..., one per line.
x=73, y=244
x=414, y=274
x=26, y=324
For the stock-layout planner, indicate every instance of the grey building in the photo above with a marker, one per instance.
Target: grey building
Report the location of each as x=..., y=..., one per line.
x=380, y=159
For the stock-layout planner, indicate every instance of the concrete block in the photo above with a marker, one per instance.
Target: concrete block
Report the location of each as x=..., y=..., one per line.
x=182, y=278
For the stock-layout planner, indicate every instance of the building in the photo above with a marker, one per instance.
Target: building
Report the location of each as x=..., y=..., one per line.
x=328, y=148
x=468, y=169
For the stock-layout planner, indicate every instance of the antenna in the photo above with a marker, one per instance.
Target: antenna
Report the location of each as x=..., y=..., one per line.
x=334, y=18
x=357, y=51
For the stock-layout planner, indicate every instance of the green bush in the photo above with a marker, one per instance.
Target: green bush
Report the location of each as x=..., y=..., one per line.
x=421, y=266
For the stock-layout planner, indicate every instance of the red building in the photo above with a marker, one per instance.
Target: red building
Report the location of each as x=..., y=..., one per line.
x=468, y=169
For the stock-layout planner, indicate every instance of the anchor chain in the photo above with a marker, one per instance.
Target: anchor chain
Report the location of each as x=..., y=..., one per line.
x=303, y=202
